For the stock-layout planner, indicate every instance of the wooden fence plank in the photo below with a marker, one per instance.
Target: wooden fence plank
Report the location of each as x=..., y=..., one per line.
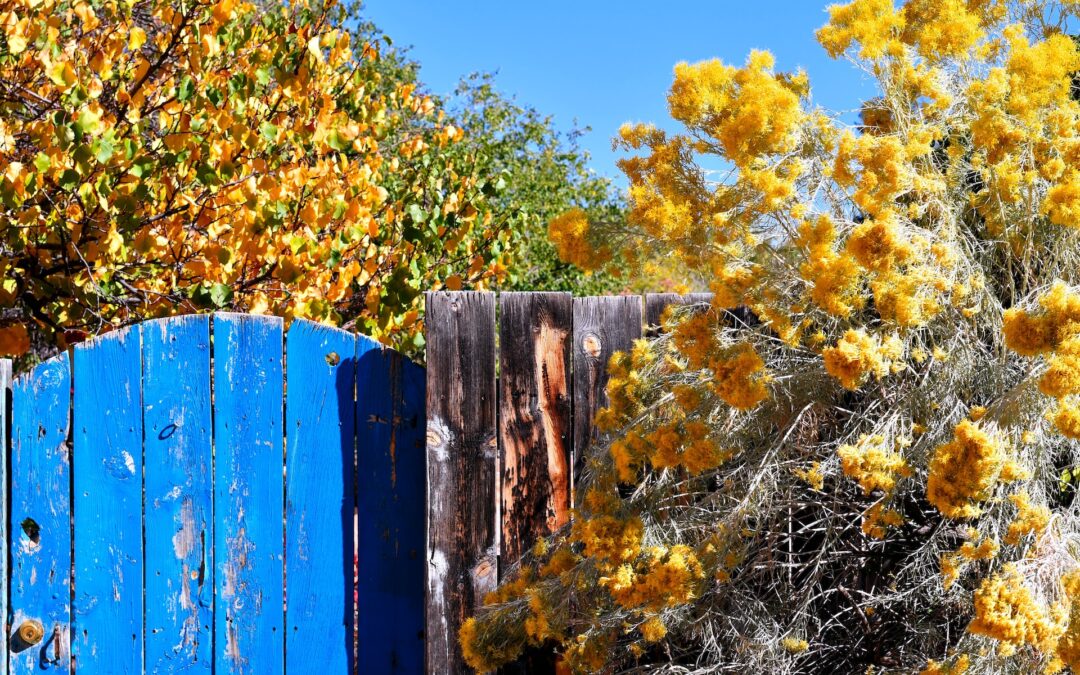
x=41, y=515
x=320, y=437
x=392, y=506
x=178, y=475
x=461, y=452
x=602, y=326
x=107, y=504
x=656, y=303
x=5, y=424
x=248, y=502
x=535, y=422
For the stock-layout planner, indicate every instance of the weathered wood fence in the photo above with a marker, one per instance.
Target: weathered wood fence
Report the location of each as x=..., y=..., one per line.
x=212, y=494
x=511, y=395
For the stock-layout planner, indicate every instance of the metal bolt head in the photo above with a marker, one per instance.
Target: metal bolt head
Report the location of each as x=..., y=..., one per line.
x=31, y=632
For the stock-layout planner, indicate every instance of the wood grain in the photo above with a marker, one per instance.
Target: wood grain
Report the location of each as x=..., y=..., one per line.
x=107, y=504
x=179, y=511
x=602, y=326
x=40, y=582
x=248, y=502
x=320, y=437
x=535, y=426
x=461, y=452
x=535, y=422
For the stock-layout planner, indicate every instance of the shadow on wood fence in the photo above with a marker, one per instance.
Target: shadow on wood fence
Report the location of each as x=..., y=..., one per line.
x=190, y=494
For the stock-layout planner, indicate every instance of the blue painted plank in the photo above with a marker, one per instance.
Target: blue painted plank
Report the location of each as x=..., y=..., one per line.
x=320, y=436
x=179, y=508
x=107, y=505
x=248, y=502
x=5, y=423
x=41, y=514
x=392, y=499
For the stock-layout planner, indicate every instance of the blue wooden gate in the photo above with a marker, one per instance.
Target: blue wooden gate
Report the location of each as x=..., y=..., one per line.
x=196, y=494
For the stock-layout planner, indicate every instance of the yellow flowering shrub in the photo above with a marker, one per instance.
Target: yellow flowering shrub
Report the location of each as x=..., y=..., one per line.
x=859, y=456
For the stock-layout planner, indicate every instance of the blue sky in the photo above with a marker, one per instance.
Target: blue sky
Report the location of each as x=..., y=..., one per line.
x=602, y=62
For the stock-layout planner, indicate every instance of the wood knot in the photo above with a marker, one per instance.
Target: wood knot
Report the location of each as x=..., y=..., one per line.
x=484, y=569
x=590, y=344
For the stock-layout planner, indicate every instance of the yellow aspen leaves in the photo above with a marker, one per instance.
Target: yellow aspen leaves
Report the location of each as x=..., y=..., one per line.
x=229, y=155
x=14, y=340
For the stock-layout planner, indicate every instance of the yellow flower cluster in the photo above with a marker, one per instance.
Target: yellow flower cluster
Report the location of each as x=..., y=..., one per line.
x=878, y=519
x=588, y=652
x=668, y=446
x=1025, y=108
x=858, y=355
x=669, y=576
x=1007, y=611
x=1054, y=332
x=538, y=625
x=750, y=111
x=872, y=24
x=834, y=277
x=1036, y=333
x=1030, y=518
x=653, y=630
x=794, y=645
x=964, y=471
x=952, y=564
x=1068, y=647
x=739, y=377
x=695, y=340
x=608, y=538
x=958, y=666
x=873, y=464
x=570, y=234
x=811, y=475
x=886, y=171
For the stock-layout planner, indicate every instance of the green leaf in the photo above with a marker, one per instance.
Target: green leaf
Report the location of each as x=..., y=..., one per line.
x=103, y=150
x=215, y=96
x=186, y=89
x=42, y=162
x=337, y=141
x=221, y=295
x=268, y=131
x=69, y=180
x=417, y=213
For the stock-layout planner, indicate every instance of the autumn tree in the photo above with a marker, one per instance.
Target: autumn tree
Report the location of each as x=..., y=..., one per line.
x=862, y=456
x=161, y=157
